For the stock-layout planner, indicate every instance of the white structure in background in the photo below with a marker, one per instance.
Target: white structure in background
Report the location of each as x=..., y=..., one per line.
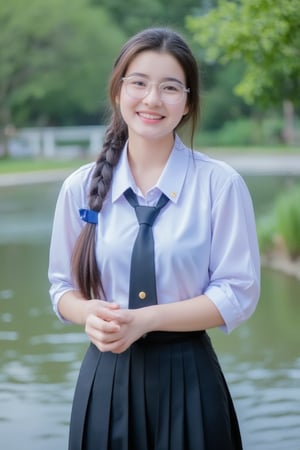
x=57, y=142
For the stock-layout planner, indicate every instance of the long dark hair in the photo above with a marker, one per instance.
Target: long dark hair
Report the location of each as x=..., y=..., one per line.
x=84, y=265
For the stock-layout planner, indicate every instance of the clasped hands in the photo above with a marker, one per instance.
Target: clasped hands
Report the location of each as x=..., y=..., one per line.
x=111, y=328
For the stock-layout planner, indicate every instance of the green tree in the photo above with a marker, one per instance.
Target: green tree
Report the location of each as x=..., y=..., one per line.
x=265, y=35
x=55, y=59
x=219, y=104
x=134, y=15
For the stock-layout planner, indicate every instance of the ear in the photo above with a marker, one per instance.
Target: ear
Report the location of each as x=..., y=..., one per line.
x=186, y=110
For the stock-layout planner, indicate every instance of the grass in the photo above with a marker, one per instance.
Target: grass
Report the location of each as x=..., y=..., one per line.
x=31, y=165
x=252, y=150
x=16, y=165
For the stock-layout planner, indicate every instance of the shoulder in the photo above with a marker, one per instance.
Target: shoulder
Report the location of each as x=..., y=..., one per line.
x=206, y=167
x=212, y=177
x=213, y=166
x=77, y=184
x=80, y=178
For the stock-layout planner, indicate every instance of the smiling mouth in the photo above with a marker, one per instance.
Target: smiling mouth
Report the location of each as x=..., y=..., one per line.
x=150, y=116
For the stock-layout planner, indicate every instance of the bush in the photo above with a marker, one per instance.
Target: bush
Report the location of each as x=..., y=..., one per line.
x=280, y=230
x=233, y=133
x=247, y=132
x=287, y=211
x=266, y=231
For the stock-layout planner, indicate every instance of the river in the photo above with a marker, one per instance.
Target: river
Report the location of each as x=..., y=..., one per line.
x=40, y=357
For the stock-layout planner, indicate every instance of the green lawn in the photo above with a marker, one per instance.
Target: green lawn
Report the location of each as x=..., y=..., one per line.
x=16, y=165
x=253, y=150
x=30, y=165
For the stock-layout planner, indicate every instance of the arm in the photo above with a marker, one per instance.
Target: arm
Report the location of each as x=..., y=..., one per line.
x=114, y=329
x=72, y=307
x=197, y=313
x=234, y=285
x=66, y=228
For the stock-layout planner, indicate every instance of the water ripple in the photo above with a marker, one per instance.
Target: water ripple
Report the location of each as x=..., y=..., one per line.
x=268, y=406
x=6, y=294
x=9, y=336
x=63, y=338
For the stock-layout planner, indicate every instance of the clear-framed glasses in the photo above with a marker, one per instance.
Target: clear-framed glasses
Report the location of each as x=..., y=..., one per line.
x=171, y=92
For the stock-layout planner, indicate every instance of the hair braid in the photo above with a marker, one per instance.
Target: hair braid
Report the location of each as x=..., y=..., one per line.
x=84, y=263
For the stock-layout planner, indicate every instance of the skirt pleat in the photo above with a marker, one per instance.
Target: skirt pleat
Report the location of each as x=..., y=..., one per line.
x=166, y=392
x=194, y=406
x=119, y=417
x=81, y=397
x=219, y=417
x=176, y=409
x=138, y=431
x=162, y=431
x=97, y=426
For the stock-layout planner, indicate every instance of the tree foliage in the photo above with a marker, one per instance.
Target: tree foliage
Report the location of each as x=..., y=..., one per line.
x=134, y=15
x=265, y=35
x=55, y=58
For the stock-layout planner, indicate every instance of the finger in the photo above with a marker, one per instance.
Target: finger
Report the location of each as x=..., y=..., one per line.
x=101, y=338
x=94, y=323
x=118, y=346
x=109, y=305
x=106, y=314
x=122, y=316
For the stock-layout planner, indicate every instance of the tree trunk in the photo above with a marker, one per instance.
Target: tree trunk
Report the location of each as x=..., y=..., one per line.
x=288, y=132
x=4, y=122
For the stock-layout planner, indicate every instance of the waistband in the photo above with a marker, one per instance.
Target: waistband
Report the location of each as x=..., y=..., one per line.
x=166, y=337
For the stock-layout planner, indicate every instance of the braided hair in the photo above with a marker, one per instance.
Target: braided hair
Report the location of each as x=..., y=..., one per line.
x=162, y=40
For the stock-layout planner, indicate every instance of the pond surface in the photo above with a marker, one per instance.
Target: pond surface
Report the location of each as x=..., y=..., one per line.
x=40, y=357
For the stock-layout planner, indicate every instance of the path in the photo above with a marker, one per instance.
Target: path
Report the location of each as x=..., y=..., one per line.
x=45, y=176
x=263, y=164
x=256, y=164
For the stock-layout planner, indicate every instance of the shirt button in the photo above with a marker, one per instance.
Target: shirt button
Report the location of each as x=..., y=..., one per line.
x=142, y=295
x=173, y=194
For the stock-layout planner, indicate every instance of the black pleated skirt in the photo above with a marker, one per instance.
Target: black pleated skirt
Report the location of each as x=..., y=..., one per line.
x=166, y=392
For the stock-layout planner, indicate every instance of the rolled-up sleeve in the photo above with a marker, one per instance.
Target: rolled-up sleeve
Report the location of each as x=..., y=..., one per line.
x=67, y=225
x=234, y=285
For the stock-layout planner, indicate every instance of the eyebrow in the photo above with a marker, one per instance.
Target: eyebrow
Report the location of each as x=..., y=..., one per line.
x=139, y=74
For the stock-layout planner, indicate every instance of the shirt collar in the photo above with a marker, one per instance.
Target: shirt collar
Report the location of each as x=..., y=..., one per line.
x=171, y=180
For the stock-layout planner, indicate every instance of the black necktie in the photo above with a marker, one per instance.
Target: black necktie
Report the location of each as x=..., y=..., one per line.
x=142, y=286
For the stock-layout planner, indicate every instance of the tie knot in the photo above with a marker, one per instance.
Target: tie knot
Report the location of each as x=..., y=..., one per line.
x=146, y=214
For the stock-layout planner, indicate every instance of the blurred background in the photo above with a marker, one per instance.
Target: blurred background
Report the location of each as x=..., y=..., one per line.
x=55, y=61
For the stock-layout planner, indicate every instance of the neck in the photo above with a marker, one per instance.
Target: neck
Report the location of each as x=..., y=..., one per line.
x=147, y=160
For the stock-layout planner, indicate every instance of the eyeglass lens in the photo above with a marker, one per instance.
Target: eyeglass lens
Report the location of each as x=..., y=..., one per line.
x=169, y=91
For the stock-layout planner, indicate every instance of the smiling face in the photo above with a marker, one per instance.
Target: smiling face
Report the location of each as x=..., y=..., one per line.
x=151, y=117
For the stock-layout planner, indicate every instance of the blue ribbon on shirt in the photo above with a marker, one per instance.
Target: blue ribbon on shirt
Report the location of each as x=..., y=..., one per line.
x=88, y=215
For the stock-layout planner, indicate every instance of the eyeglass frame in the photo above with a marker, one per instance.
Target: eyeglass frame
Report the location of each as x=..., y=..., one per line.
x=185, y=90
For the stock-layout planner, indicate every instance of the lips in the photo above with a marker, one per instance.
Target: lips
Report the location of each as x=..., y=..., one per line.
x=150, y=116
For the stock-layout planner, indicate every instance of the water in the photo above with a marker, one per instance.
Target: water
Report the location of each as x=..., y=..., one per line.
x=40, y=357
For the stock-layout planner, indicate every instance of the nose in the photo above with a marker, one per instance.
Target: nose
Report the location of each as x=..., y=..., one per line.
x=153, y=95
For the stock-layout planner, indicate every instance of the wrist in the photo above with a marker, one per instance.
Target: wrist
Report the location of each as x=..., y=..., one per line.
x=147, y=318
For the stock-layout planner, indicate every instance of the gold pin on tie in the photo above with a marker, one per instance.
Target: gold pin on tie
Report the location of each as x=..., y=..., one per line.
x=142, y=295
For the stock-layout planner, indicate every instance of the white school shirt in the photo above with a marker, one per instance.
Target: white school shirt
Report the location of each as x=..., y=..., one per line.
x=205, y=237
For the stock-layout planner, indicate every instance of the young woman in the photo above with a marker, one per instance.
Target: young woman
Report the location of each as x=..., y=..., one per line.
x=150, y=379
